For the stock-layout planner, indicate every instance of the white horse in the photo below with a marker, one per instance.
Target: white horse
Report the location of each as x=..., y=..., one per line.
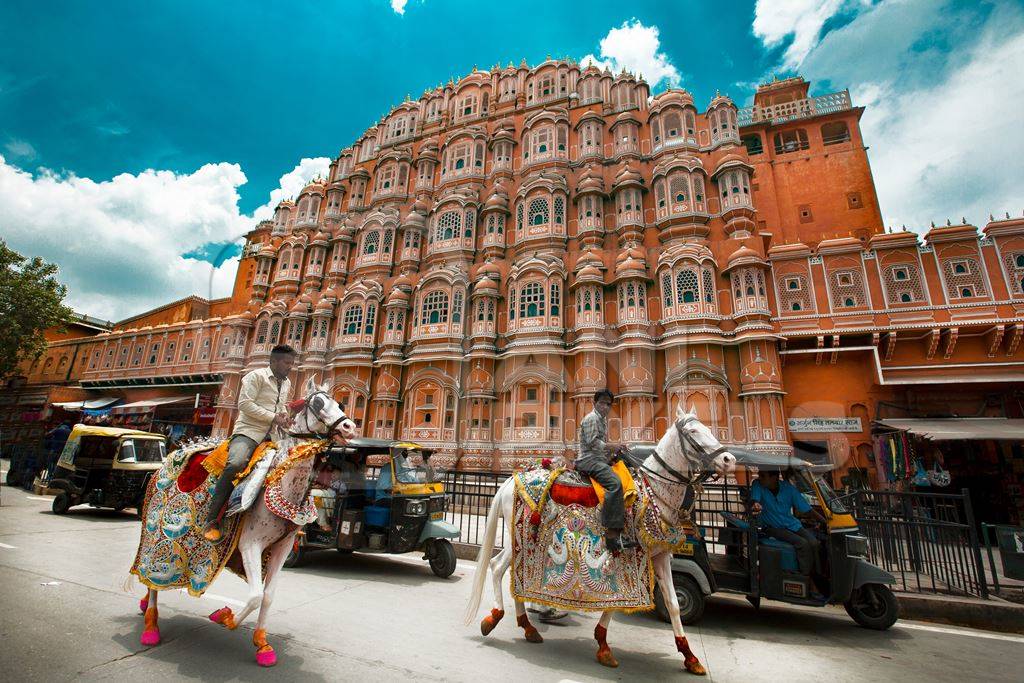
x=686, y=450
x=268, y=527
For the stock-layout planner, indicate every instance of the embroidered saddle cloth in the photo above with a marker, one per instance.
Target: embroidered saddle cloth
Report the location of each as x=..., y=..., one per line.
x=558, y=552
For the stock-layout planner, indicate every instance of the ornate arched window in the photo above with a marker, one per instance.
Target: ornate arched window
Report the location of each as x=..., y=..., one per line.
x=532, y=300
x=448, y=226
x=435, y=308
x=371, y=242
x=539, y=211
x=352, y=320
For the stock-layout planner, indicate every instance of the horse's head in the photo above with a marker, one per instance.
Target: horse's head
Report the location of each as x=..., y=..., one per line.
x=318, y=413
x=689, y=445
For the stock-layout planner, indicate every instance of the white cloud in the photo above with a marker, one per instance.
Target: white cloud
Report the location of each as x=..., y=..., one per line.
x=777, y=20
x=399, y=6
x=120, y=243
x=635, y=48
x=21, y=149
x=292, y=183
x=942, y=93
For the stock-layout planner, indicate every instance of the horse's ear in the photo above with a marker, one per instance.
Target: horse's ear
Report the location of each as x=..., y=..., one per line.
x=310, y=387
x=680, y=413
x=326, y=388
x=693, y=410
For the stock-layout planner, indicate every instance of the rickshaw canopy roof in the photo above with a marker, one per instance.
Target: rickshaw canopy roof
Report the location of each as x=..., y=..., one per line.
x=368, y=446
x=80, y=430
x=748, y=458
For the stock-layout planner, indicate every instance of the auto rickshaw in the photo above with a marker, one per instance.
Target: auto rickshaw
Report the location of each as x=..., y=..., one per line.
x=761, y=567
x=398, y=511
x=106, y=467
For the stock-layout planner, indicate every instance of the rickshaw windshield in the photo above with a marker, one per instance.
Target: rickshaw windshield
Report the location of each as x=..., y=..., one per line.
x=830, y=497
x=142, y=450
x=412, y=468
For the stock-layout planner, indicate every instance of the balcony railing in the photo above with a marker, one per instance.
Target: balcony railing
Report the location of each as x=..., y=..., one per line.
x=799, y=109
x=305, y=222
x=542, y=157
x=679, y=140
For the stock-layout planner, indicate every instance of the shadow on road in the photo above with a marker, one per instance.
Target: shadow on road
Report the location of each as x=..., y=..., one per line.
x=194, y=648
x=332, y=564
x=90, y=514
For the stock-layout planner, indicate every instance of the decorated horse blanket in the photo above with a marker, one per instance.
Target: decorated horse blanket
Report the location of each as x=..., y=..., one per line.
x=173, y=552
x=558, y=552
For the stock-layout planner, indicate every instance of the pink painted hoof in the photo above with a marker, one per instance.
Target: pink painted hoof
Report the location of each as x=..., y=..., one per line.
x=267, y=657
x=150, y=638
x=144, y=604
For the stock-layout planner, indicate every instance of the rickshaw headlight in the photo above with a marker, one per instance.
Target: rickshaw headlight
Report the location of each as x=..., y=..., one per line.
x=856, y=546
x=416, y=507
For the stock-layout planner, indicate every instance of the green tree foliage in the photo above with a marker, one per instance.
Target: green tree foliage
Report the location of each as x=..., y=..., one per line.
x=30, y=301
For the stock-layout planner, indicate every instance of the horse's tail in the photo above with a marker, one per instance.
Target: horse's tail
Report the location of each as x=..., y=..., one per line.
x=483, y=559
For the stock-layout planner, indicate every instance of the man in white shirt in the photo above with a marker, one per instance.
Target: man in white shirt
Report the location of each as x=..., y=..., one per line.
x=261, y=407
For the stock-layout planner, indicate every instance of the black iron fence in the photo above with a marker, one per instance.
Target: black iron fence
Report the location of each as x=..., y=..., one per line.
x=928, y=541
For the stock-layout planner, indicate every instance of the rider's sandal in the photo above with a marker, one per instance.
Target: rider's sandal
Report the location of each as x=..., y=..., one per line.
x=615, y=545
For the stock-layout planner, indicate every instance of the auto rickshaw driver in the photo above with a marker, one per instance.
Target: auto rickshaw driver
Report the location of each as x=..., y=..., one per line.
x=775, y=499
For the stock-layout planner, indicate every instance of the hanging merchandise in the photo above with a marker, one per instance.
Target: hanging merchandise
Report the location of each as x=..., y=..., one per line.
x=939, y=476
x=920, y=474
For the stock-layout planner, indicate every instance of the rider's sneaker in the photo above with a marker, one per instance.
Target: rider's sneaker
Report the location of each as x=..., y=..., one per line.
x=549, y=614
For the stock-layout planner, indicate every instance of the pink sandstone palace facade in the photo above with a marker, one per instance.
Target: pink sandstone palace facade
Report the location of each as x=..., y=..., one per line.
x=484, y=258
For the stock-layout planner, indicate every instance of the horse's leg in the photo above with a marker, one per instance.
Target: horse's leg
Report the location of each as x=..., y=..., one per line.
x=151, y=630
x=144, y=602
x=604, y=653
x=663, y=569
x=499, y=565
x=531, y=633
x=252, y=559
x=265, y=655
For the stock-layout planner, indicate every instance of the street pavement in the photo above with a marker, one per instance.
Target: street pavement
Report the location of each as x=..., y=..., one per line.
x=64, y=614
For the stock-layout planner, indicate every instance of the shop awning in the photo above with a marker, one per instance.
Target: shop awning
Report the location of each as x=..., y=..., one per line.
x=88, y=404
x=149, y=404
x=960, y=428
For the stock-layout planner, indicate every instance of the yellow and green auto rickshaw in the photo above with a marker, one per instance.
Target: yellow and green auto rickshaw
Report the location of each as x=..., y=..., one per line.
x=106, y=467
x=399, y=510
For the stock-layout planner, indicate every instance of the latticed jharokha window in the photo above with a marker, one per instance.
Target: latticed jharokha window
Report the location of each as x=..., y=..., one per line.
x=531, y=300
x=352, y=321
x=539, y=211
x=435, y=308
x=371, y=243
x=448, y=225
x=903, y=284
x=964, y=278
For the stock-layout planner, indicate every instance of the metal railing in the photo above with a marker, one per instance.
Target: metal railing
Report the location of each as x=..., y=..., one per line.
x=928, y=541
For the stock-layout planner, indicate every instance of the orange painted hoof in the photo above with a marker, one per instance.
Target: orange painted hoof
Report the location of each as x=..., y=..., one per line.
x=225, y=617
x=265, y=655
x=695, y=667
x=533, y=635
x=606, y=658
x=488, y=623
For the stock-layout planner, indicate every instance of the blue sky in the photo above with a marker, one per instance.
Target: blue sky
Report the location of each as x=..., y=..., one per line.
x=160, y=129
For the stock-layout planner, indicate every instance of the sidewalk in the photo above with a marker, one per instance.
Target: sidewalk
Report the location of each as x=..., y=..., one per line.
x=994, y=614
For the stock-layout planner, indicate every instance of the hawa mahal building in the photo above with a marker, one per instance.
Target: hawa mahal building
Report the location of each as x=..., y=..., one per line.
x=483, y=259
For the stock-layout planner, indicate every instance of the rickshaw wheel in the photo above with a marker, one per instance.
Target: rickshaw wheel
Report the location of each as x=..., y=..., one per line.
x=690, y=598
x=13, y=477
x=443, y=561
x=61, y=503
x=873, y=606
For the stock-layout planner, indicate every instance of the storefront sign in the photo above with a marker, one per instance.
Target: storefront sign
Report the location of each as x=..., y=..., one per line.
x=824, y=424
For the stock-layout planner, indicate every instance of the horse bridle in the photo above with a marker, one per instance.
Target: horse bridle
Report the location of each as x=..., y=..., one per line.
x=677, y=476
x=331, y=428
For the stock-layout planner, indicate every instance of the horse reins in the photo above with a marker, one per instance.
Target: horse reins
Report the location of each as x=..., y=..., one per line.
x=678, y=478
x=331, y=428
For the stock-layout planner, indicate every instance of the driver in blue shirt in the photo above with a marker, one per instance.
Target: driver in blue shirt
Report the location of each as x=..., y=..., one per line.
x=775, y=499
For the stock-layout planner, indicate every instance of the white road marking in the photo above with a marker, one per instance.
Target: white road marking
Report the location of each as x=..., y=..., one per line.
x=962, y=632
x=48, y=499
x=9, y=547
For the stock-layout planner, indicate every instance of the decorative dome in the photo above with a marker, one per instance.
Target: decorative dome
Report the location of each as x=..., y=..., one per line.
x=324, y=306
x=398, y=296
x=320, y=239
x=730, y=161
x=627, y=176
x=742, y=257
x=487, y=286
x=719, y=100
x=590, y=183
x=672, y=96
x=490, y=269
x=625, y=117
x=498, y=201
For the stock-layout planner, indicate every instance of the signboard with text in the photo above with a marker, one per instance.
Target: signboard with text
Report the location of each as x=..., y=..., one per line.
x=824, y=424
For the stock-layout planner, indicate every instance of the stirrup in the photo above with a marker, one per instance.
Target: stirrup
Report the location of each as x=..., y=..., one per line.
x=212, y=534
